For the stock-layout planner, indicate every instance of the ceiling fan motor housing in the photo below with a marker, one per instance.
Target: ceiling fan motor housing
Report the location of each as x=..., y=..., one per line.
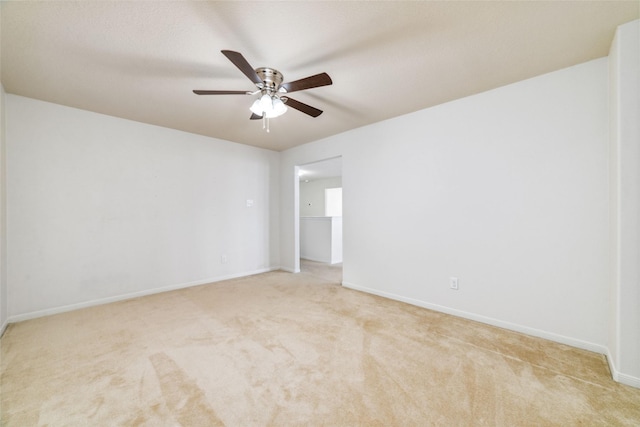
x=271, y=79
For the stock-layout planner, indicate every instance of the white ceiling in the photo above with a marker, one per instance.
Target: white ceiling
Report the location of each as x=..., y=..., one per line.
x=141, y=60
x=330, y=168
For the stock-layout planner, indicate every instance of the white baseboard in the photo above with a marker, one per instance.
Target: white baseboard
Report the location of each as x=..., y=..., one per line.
x=596, y=348
x=626, y=379
x=3, y=327
x=315, y=259
x=619, y=376
x=71, y=307
x=483, y=319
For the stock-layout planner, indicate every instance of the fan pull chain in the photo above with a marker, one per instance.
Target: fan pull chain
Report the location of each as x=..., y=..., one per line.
x=265, y=122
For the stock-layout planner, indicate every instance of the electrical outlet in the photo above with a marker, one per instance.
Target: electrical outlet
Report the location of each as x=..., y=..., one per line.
x=224, y=259
x=453, y=283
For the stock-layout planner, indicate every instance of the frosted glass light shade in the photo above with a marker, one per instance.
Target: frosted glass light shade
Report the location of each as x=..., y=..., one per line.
x=268, y=107
x=256, y=108
x=279, y=107
x=266, y=103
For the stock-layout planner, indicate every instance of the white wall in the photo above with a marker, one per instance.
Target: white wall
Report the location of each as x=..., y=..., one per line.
x=101, y=208
x=312, y=202
x=321, y=239
x=4, y=312
x=624, y=71
x=506, y=190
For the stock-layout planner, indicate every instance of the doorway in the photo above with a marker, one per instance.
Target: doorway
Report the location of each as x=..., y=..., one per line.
x=320, y=218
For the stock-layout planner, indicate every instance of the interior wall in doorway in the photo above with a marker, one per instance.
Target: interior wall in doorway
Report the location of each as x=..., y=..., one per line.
x=312, y=200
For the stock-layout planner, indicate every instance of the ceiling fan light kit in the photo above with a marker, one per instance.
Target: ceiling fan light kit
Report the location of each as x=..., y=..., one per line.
x=269, y=106
x=271, y=103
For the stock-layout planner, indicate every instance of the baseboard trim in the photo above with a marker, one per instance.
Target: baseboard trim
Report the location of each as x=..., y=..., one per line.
x=626, y=379
x=315, y=259
x=619, y=376
x=3, y=327
x=484, y=319
x=101, y=301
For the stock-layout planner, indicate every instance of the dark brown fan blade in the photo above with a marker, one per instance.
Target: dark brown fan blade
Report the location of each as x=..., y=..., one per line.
x=242, y=64
x=307, y=109
x=221, y=92
x=318, y=80
x=254, y=116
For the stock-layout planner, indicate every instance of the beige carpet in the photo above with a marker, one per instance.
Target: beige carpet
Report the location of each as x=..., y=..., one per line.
x=329, y=272
x=294, y=350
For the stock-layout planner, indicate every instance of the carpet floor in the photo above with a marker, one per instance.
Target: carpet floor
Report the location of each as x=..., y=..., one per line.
x=281, y=349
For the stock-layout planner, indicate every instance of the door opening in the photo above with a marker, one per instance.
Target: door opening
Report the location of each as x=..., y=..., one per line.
x=320, y=225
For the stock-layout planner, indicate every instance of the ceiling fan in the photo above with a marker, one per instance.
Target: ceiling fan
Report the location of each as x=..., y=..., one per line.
x=273, y=100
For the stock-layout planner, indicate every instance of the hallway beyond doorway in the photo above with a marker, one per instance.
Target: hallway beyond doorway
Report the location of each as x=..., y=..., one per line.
x=330, y=272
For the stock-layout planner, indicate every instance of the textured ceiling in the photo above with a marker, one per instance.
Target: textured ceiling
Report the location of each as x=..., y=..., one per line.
x=141, y=60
